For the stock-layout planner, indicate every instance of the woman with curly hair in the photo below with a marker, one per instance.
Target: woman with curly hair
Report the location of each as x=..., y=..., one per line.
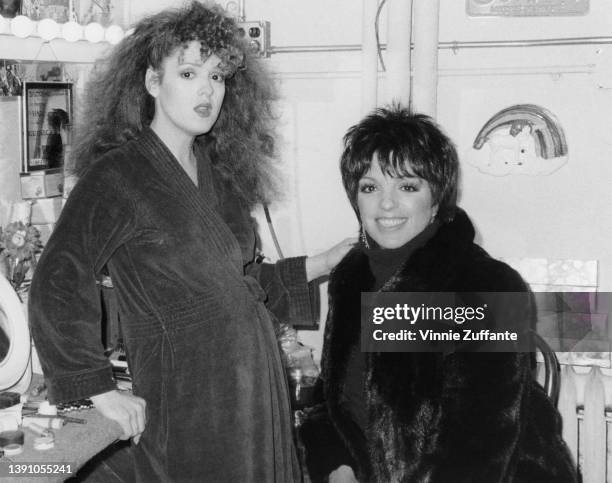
x=174, y=149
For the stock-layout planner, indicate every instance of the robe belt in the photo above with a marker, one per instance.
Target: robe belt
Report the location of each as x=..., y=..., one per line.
x=203, y=309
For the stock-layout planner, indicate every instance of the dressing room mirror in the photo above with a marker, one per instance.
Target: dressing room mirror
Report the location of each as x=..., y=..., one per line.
x=4, y=336
x=15, y=347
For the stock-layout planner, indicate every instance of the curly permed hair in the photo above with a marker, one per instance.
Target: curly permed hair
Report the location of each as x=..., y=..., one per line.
x=117, y=105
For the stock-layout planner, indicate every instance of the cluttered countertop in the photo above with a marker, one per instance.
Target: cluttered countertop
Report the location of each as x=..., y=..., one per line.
x=52, y=447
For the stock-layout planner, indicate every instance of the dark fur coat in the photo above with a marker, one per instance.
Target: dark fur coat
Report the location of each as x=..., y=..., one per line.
x=460, y=417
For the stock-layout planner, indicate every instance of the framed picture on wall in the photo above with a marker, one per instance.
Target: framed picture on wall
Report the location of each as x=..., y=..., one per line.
x=47, y=115
x=11, y=77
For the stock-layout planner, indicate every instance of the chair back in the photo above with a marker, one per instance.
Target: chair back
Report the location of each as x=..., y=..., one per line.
x=552, y=368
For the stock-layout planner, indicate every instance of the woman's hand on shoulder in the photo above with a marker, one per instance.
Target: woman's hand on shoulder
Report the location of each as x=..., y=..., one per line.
x=124, y=408
x=342, y=474
x=321, y=264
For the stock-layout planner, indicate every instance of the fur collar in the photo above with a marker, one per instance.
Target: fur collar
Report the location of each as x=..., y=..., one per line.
x=430, y=268
x=449, y=261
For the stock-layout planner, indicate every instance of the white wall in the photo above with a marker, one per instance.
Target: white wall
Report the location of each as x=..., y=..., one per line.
x=564, y=215
x=567, y=214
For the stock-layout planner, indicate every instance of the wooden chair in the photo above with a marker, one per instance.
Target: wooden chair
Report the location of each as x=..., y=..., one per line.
x=552, y=368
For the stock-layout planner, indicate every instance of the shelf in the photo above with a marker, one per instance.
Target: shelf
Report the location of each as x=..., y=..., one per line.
x=47, y=40
x=56, y=50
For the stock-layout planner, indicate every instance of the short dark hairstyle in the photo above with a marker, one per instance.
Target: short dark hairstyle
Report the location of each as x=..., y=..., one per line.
x=402, y=141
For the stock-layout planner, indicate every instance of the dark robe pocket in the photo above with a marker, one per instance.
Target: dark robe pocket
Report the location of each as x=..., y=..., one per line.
x=142, y=353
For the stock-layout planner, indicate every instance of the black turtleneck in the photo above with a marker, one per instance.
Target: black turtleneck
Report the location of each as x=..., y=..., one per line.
x=384, y=263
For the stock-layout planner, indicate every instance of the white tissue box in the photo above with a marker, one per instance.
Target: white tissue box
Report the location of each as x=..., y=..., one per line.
x=42, y=184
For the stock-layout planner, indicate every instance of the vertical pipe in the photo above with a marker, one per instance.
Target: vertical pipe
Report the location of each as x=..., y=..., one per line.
x=399, y=29
x=369, y=57
x=241, y=10
x=425, y=56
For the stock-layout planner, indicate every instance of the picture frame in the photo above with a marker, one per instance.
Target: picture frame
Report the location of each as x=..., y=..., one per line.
x=47, y=116
x=11, y=77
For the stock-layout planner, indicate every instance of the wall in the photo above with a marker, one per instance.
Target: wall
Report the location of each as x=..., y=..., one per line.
x=563, y=215
x=566, y=214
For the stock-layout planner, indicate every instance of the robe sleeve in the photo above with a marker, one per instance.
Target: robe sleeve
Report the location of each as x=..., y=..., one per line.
x=65, y=306
x=291, y=298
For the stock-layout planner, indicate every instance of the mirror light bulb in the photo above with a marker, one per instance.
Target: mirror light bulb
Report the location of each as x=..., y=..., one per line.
x=94, y=32
x=22, y=26
x=113, y=34
x=72, y=31
x=48, y=29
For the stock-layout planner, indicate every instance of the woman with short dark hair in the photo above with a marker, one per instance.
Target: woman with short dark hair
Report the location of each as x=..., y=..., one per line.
x=391, y=137
x=435, y=417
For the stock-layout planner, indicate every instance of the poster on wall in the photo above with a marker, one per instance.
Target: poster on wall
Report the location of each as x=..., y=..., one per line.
x=47, y=117
x=520, y=139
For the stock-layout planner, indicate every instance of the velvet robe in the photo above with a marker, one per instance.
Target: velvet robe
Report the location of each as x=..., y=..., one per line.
x=434, y=417
x=200, y=342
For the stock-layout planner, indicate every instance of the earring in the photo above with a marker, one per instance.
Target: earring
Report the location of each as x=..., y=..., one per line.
x=364, y=238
